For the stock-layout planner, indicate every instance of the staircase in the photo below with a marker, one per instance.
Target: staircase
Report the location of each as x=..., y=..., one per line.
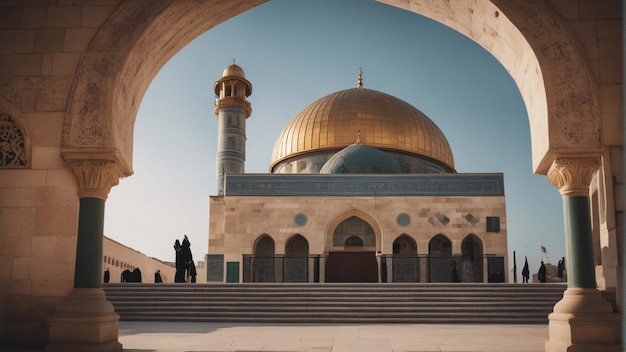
x=336, y=303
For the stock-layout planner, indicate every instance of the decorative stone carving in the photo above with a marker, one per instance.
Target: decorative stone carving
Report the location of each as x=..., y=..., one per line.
x=227, y=102
x=13, y=149
x=95, y=177
x=572, y=176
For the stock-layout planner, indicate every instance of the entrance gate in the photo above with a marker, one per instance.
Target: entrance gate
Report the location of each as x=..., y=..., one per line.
x=351, y=267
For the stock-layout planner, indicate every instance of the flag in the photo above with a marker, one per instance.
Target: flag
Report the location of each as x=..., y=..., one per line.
x=543, y=249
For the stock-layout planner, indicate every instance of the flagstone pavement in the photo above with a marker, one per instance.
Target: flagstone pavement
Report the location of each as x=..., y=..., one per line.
x=234, y=337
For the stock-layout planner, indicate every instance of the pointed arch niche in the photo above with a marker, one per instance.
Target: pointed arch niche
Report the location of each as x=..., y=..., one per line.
x=264, y=263
x=405, y=262
x=472, y=259
x=353, y=230
x=442, y=266
x=296, y=259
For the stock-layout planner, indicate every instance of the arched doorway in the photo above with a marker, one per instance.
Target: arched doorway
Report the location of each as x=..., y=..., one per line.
x=441, y=264
x=405, y=261
x=263, y=264
x=472, y=259
x=353, y=258
x=296, y=260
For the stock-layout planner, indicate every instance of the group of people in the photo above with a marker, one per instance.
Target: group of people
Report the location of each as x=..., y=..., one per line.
x=185, y=267
x=542, y=273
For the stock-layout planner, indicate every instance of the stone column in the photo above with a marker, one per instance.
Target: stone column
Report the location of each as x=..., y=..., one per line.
x=85, y=320
x=582, y=320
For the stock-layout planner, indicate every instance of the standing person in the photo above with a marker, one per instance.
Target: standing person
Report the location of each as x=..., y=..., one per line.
x=180, y=263
x=107, y=276
x=525, y=271
x=157, y=277
x=542, y=273
x=192, y=272
x=187, y=257
x=561, y=267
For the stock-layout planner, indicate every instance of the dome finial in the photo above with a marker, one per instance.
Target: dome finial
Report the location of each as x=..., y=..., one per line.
x=358, y=137
x=233, y=60
x=360, y=81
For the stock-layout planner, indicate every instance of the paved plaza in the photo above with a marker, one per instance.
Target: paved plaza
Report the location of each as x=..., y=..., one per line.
x=214, y=337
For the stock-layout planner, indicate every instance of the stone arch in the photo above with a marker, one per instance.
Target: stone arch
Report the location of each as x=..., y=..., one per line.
x=440, y=245
x=297, y=246
x=136, y=41
x=472, y=247
x=472, y=250
x=353, y=213
x=264, y=245
x=263, y=263
x=563, y=111
x=404, y=244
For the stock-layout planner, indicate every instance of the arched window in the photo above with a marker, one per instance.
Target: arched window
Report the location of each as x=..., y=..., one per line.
x=296, y=261
x=352, y=228
x=264, y=246
x=297, y=246
x=13, y=144
x=471, y=248
x=440, y=246
x=404, y=244
x=354, y=241
x=472, y=251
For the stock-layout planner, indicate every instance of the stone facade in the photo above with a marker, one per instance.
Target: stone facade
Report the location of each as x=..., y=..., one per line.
x=256, y=206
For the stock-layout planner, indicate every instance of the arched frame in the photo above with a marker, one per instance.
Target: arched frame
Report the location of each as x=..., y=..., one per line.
x=113, y=75
x=476, y=239
x=291, y=245
x=330, y=229
x=259, y=239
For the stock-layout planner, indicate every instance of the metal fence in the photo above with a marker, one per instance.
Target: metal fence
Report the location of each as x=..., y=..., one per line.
x=393, y=268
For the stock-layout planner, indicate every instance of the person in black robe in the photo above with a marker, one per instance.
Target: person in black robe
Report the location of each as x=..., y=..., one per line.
x=187, y=257
x=136, y=275
x=180, y=263
x=542, y=273
x=192, y=272
x=525, y=272
x=561, y=267
x=127, y=276
x=107, y=276
x=157, y=277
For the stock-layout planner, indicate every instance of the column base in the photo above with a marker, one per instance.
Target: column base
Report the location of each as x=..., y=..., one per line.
x=85, y=321
x=583, y=322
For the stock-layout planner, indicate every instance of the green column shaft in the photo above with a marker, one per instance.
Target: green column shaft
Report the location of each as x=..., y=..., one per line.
x=580, y=263
x=89, y=246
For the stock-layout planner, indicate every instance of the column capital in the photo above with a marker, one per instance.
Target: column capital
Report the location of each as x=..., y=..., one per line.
x=95, y=177
x=572, y=176
x=96, y=170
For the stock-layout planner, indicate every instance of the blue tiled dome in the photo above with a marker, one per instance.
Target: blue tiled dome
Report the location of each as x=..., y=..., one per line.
x=361, y=159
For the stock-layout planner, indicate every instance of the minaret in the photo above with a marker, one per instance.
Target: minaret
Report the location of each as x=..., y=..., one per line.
x=232, y=110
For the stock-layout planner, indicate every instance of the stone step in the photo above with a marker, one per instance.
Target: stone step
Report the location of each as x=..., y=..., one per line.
x=336, y=303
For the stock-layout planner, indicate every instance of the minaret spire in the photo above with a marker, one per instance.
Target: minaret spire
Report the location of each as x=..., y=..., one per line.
x=232, y=109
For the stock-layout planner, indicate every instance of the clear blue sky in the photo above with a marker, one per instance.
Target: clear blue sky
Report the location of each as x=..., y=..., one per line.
x=295, y=52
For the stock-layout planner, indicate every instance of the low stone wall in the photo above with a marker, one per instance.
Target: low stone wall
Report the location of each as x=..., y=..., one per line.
x=118, y=257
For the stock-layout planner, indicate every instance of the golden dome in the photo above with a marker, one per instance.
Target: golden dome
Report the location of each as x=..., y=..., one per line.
x=381, y=121
x=233, y=70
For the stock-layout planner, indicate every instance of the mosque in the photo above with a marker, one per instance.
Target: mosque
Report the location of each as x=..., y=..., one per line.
x=361, y=188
